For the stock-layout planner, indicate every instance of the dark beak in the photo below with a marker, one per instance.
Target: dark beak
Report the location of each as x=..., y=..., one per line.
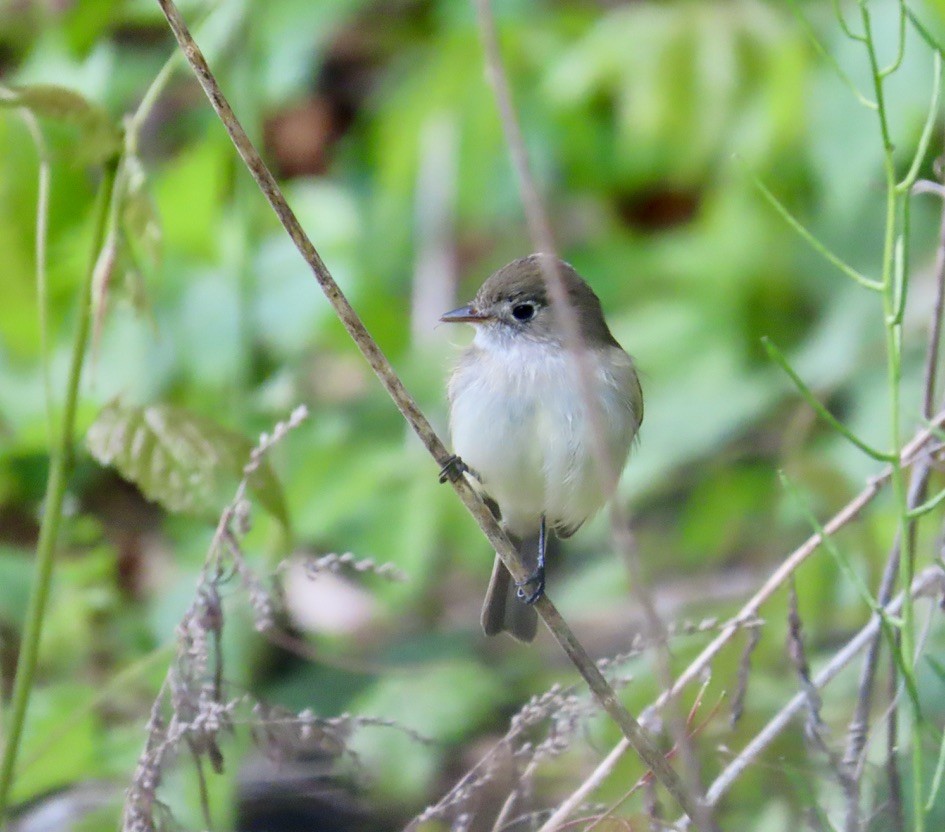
x=465, y=314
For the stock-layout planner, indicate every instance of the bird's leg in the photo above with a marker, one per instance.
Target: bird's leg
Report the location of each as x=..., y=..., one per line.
x=452, y=469
x=538, y=576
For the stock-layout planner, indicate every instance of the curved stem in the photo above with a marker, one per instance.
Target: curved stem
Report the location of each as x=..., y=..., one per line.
x=779, y=358
x=52, y=513
x=811, y=240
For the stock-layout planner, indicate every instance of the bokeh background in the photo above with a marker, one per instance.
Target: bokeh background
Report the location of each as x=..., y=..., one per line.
x=646, y=123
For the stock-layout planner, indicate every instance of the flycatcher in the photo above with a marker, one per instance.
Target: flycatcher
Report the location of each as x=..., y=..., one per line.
x=520, y=424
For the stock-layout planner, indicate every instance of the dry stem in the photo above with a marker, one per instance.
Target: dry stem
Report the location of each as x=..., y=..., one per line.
x=631, y=729
x=543, y=240
x=747, y=614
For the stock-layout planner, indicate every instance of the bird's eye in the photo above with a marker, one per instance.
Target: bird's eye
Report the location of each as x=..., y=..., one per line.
x=523, y=311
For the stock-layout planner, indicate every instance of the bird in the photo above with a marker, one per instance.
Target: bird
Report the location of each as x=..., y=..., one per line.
x=520, y=425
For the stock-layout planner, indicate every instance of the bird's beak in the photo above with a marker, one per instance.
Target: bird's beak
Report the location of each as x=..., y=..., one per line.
x=465, y=314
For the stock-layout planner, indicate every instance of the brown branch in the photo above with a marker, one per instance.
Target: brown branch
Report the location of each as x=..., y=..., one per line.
x=748, y=613
x=930, y=583
x=542, y=238
x=631, y=729
x=893, y=778
x=859, y=723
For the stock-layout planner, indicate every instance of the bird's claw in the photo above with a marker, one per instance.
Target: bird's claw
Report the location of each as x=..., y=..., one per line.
x=452, y=469
x=537, y=578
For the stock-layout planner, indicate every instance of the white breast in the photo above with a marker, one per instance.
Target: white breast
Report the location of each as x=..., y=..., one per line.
x=519, y=420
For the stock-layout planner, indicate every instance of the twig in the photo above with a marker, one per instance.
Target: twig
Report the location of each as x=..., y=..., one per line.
x=931, y=582
x=811, y=240
x=798, y=655
x=779, y=358
x=893, y=777
x=631, y=729
x=646, y=781
x=859, y=723
x=748, y=613
x=744, y=671
x=540, y=232
x=814, y=727
x=194, y=681
x=555, y=701
x=539, y=708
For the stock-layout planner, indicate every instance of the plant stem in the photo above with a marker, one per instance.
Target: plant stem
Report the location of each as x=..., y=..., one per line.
x=632, y=730
x=60, y=465
x=893, y=281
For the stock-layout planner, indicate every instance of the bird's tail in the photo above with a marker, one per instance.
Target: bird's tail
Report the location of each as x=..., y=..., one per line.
x=503, y=610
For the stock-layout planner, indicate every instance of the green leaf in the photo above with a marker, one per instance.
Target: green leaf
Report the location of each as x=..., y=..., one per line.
x=181, y=460
x=101, y=137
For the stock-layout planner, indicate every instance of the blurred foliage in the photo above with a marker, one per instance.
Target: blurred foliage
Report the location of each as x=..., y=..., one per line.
x=642, y=120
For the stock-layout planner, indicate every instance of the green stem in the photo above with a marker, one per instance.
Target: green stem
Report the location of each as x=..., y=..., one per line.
x=842, y=561
x=905, y=185
x=901, y=47
x=812, y=241
x=894, y=289
x=779, y=358
x=846, y=26
x=827, y=55
x=60, y=464
x=929, y=505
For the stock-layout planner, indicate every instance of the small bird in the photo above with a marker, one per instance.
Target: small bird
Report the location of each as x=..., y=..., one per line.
x=520, y=423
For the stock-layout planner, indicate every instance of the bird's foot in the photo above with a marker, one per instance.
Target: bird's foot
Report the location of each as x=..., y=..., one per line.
x=537, y=581
x=452, y=469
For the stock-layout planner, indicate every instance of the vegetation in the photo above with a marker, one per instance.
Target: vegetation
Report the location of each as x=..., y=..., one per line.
x=752, y=188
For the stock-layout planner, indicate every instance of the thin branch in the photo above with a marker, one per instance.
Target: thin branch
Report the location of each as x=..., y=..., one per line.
x=646, y=781
x=779, y=358
x=926, y=35
x=930, y=583
x=859, y=724
x=894, y=279
x=810, y=239
x=748, y=613
x=838, y=12
x=928, y=506
x=541, y=235
x=901, y=44
x=744, y=673
x=828, y=56
x=909, y=180
x=893, y=777
x=940, y=763
x=630, y=727
x=855, y=579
